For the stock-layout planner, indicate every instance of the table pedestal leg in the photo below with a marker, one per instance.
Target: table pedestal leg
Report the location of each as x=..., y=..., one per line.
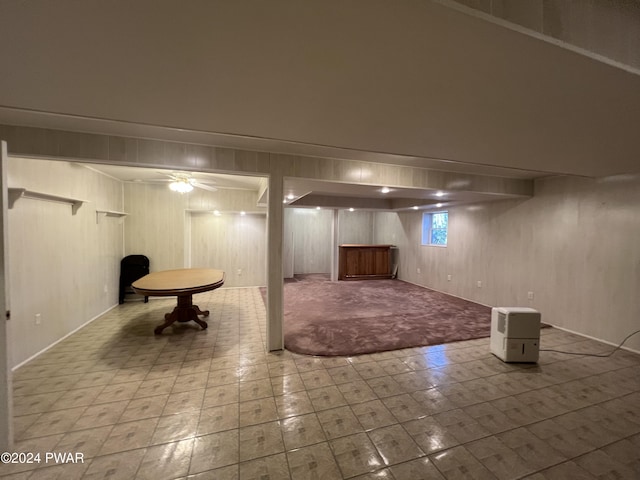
x=185, y=311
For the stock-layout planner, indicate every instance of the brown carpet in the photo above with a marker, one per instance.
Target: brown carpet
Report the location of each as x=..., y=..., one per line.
x=356, y=317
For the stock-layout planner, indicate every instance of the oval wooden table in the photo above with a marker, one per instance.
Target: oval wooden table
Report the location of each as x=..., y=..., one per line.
x=181, y=283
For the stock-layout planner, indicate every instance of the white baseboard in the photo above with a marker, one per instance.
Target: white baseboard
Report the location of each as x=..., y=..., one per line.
x=13, y=369
x=629, y=349
x=446, y=293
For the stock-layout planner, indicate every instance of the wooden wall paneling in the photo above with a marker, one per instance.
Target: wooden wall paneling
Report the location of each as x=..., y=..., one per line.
x=575, y=245
x=312, y=240
x=66, y=267
x=288, y=243
x=355, y=227
x=233, y=243
x=155, y=224
x=275, y=273
x=160, y=225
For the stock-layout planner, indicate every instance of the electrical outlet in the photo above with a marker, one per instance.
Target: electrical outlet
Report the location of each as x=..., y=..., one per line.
x=479, y=284
x=418, y=271
x=530, y=295
x=448, y=278
x=38, y=319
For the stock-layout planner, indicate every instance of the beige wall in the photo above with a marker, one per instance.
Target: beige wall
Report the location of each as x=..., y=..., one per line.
x=355, y=227
x=177, y=231
x=308, y=238
x=64, y=267
x=233, y=243
x=575, y=245
x=156, y=225
x=309, y=232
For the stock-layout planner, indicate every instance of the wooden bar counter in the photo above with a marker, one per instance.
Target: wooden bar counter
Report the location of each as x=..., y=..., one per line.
x=361, y=262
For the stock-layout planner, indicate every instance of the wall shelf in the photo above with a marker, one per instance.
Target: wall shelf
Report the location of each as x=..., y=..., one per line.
x=17, y=193
x=109, y=213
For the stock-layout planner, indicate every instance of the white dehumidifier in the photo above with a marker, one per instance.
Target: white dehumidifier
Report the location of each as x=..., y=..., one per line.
x=515, y=334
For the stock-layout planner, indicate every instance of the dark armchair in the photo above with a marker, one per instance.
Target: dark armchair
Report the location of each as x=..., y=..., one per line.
x=132, y=267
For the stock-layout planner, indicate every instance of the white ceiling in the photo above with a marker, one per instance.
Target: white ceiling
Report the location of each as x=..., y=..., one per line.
x=403, y=82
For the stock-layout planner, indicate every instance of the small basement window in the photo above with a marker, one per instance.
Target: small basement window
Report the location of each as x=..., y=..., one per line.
x=434, y=228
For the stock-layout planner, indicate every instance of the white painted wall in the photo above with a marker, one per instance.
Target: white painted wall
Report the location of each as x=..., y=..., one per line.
x=61, y=263
x=575, y=244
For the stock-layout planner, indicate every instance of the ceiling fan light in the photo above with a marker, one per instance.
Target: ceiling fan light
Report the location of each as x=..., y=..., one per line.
x=181, y=186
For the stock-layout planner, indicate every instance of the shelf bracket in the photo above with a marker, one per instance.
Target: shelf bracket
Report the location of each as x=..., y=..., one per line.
x=100, y=214
x=16, y=193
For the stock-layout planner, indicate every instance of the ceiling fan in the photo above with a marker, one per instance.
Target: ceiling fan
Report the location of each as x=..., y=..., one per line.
x=184, y=182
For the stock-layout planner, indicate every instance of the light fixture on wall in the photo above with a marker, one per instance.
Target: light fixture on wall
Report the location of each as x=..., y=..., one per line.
x=181, y=184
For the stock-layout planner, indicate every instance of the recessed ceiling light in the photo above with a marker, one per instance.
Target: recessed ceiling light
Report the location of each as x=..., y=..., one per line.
x=243, y=213
x=284, y=201
x=317, y=208
x=439, y=194
x=290, y=196
x=351, y=209
x=415, y=207
x=438, y=205
x=216, y=213
x=385, y=190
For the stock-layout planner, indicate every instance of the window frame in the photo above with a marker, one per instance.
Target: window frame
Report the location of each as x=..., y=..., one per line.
x=427, y=232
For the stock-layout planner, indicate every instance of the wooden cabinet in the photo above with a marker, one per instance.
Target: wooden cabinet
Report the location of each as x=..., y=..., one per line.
x=358, y=262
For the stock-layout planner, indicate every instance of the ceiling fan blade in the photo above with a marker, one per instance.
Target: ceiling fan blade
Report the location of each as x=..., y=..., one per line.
x=204, y=186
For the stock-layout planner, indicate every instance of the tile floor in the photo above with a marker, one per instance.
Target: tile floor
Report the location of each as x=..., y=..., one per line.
x=214, y=405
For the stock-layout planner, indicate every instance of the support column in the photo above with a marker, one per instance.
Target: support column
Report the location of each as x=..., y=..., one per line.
x=335, y=251
x=275, y=282
x=6, y=403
